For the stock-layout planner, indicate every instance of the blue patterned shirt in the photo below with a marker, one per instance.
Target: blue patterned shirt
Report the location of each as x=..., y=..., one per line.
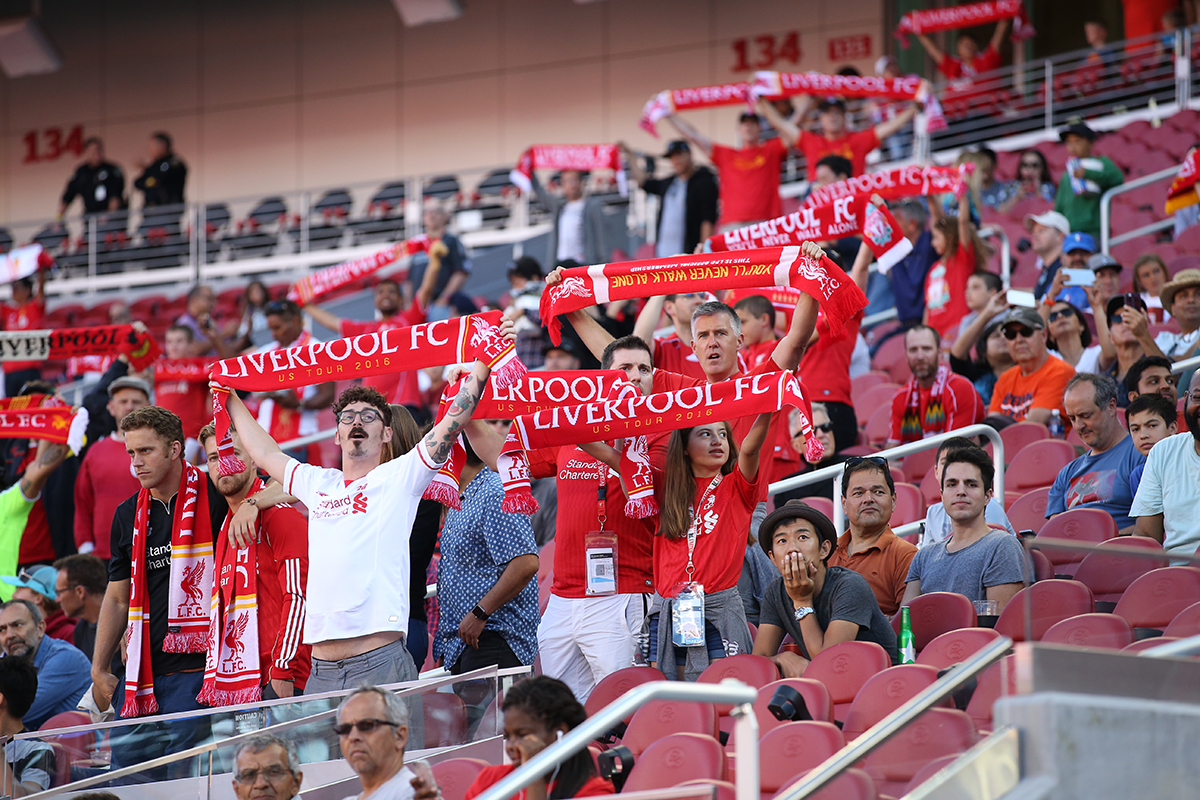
x=478, y=541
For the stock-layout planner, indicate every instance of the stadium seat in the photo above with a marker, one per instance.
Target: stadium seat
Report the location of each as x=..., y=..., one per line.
x=998, y=680
x=844, y=668
x=617, y=684
x=1081, y=525
x=816, y=700
x=1028, y=513
x=1048, y=602
x=928, y=771
x=1037, y=465
x=1108, y=575
x=822, y=504
x=884, y=692
x=860, y=384
x=712, y=790
x=455, y=775
x=955, y=647
x=931, y=492
x=445, y=719
x=1185, y=623
x=443, y=187
x=1016, y=437
x=1147, y=644
x=794, y=748
x=890, y=359
x=68, y=748
x=1043, y=570
x=879, y=426
x=658, y=718
x=676, y=758
x=546, y=560
x=910, y=505
x=1153, y=599
x=756, y=671
x=935, y=613
x=384, y=217
x=936, y=733
x=878, y=396
x=1107, y=631
x=918, y=464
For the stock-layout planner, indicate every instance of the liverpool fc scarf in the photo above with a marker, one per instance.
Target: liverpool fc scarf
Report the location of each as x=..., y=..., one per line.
x=187, y=370
x=912, y=427
x=311, y=287
x=784, y=266
x=581, y=157
x=191, y=576
x=26, y=417
x=951, y=18
x=1183, y=192
x=431, y=344
x=891, y=184
x=23, y=262
x=232, y=672
x=632, y=417
x=60, y=345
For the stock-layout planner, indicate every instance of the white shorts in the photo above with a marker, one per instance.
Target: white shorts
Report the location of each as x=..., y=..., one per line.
x=583, y=639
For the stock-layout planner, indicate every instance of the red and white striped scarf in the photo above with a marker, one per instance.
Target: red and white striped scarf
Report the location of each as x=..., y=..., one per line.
x=949, y=18
x=191, y=576
x=38, y=416
x=890, y=184
x=1183, y=192
x=581, y=157
x=23, y=262
x=312, y=287
x=64, y=343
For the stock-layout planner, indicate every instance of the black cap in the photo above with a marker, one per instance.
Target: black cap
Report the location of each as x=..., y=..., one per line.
x=796, y=509
x=830, y=103
x=1078, y=129
x=676, y=147
x=567, y=346
x=1119, y=301
x=749, y=116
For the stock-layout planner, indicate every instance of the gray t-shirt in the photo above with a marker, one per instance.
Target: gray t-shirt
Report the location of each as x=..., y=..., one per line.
x=398, y=787
x=995, y=559
x=845, y=595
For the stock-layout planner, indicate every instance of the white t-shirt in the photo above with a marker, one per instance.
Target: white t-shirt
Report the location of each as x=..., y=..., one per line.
x=1174, y=345
x=1089, y=360
x=570, y=232
x=358, y=564
x=398, y=787
x=1168, y=487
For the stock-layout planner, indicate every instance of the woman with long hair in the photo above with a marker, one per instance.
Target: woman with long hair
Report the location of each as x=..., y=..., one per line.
x=1033, y=180
x=538, y=712
x=252, y=330
x=1068, y=335
x=960, y=253
x=1149, y=274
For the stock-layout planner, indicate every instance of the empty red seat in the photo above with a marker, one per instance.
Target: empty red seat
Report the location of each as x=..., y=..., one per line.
x=931, y=491
x=617, y=684
x=883, y=693
x=860, y=384
x=793, y=749
x=816, y=700
x=455, y=775
x=844, y=668
x=659, y=718
x=1148, y=644
x=445, y=719
x=822, y=504
x=1107, y=631
x=878, y=396
x=1154, y=599
x=998, y=680
x=674, y=759
x=935, y=613
x=1186, y=623
x=910, y=505
x=916, y=465
x=955, y=647
x=852, y=784
x=879, y=426
x=1037, y=465
x=936, y=733
x=1017, y=437
x=1081, y=525
x=928, y=771
x=756, y=671
x=1109, y=574
x=1028, y=513
x=1046, y=602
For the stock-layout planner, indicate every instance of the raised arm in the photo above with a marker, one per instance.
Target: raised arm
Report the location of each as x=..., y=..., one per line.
x=258, y=443
x=751, y=446
x=323, y=317
x=50, y=455
x=591, y=332
x=637, y=170
x=689, y=132
x=935, y=52
x=789, y=133
x=998, y=34
x=647, y=320
x=791, y=347
x=961, y=349
x=886, y=128
x=1108, y=351
x=439, y=441
x=966, y=228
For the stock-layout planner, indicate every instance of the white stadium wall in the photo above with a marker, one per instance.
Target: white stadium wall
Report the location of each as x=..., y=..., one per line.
x=267, y=96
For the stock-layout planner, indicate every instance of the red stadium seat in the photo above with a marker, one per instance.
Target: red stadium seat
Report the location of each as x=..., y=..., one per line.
x=816, y=699
x=935, y=613
x=879, y=426
x=862, y=383
x=910, y=505
x=713, y=790
x=1038, y=464
x=930, y=490
x=998, y=680
x=884, y=692
x=455, y=775
x=1048, y=602
x=1147, y=644
x=659, y=718
x=853, y=784
x=822, y=504
x=1186, y=623
x=936, y=733
x=1107, y=631
x=445, y=719
x=928, y=771
x=955, y=647
x=1043, y=570
x=1082, y=525
x=617, y=684
x=844, y=668
x=890, y=358
x=1154, y=599
x=794, y=748
x=676, y=758
x=1108, y=575
x=756, y=671
x=1028, y=513
x=918, y=464
x=878, y=396
x=1016, y=437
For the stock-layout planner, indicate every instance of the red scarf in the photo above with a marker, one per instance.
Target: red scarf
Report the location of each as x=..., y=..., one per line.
x=1183, y=191
x=632, y=417
x=581, y=157
x=191, y=575
x=26, y=417
x=431, y=344
x=912, y=427
x=952, y=18
x=891, y=184
x=848, y=216
x=23, y=262
x=581, y=287
x=190, y=370
x=66, y=343
x=232, y=673
x=311, y=287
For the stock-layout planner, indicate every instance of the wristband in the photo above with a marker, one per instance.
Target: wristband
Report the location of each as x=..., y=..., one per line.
x=480, y=614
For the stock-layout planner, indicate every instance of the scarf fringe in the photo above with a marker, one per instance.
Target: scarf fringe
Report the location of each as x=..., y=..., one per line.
x=641, y=507
x=444, y=492
x=507, y=372
x=230, y=465
x=814, y=451
x=212, y=696
x=521, y=501
x=186, y=642
x=139, y=706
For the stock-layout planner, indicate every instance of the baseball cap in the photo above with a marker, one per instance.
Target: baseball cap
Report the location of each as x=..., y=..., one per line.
x=676, y=147
x=1079, y=241
x=129, y=382
x=1121, y=300
x=1051, y=219
x=40, y=579
x=796, y=509
x=831, y=103
x=1104, y=261
x=1023, y=316
x=749, y=116
x=1078, y=129
x=567, y=346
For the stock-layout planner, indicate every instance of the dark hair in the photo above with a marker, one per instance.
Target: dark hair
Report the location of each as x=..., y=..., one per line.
x=624, y=343
x=364, y=394
x=948, y=225
x=24, y=283
x=1085, y=333
x=756, y=306
x=990, y=279
x=864, y=466
x=1155, y=403
x=953, y=444
x=86, y=570
x=92, y=140
x=1044, y=176
x=405, y=433
x=1148, y=258
x=166, y=426
x=387, y=281
x=987, y=152
x=838, y=165
x=551, y=703
x=284, y=308
x=1134, y=376
x=191, y=335
x=920, y=326
x=18, y=684
x=35, y=613
x=976, y=456
x=164, y=138
x=679, y=485
x=196, y=290
x=526, y=267
x=266, y=292
x=36, y=386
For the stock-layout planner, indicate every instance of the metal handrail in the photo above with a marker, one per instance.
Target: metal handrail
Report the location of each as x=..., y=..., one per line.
x=727, y=691
x=1005, y=252
x=1181, y=647
x=890, y=725
x=835, y=471
x=1185, y=365
x=1106, y=238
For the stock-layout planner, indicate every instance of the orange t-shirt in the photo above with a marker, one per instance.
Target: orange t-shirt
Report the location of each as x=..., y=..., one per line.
x=1015, y=394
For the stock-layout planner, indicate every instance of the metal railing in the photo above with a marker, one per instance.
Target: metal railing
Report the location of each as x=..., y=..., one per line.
x=1107, y=239
x=1185, y=365
x=1180, y=647
x=835, y=471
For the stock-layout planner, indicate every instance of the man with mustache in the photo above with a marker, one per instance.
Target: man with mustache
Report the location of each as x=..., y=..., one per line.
x=934, y=400
x=1167, y=505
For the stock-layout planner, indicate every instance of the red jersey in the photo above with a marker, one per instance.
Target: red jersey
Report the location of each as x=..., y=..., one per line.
x=954, y=68
x=27, y=317
x=579, y=478
x=402, y=388
x=282, y=553
x=825, y=367
x=189, y=400
x=754, y=355
x=671, y=354
x=855, y=147
x=961, y=405
x=722, y=532
x=946, y=290
x=749, y=185
x=105, y=481
x=489, y=776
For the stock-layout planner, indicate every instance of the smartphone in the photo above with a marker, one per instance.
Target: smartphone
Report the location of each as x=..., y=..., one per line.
x=1018, y=297
x=1078, y=277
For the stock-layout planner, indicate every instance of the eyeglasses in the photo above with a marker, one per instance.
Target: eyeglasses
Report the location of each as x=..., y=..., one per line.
x=59, y=592
x=273, y=773
x=1115, y=319
x=367, y=415
x=1062, y=312
x=879, y=461
x=824, y=427
x=1013, y=333
x=363, y=726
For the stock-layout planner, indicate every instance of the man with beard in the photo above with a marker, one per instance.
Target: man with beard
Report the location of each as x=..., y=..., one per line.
x=63, y=670
x=935, y=400
x=277, y=557
x=1151, y=375
x=1167, y=505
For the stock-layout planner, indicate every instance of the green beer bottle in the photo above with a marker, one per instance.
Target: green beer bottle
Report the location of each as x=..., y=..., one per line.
x=908, y=650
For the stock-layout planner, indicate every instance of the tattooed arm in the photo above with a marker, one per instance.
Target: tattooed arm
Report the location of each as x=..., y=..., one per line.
x=49, y=456
x=440, y=440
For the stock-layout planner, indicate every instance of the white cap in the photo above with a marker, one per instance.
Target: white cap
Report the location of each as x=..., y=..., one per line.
x=1051, y=219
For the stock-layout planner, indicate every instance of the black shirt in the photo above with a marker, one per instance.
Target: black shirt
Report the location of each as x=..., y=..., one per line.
x=700, y=202
x=97, y=186
x=162, y=182
x=158, y=574
x=85, y=640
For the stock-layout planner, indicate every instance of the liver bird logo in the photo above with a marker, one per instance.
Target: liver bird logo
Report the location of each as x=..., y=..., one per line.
x=573, y=286
x=235, y=645
x=193, y=588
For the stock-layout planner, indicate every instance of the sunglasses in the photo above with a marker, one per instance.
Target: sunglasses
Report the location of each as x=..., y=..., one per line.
x=878, y=461
x=367, y=415
x=276, y=307
x=1062, y=312
x=1013, y=333
x=362, y=726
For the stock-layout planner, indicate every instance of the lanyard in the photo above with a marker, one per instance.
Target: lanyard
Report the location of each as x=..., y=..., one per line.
x=697, y=515
x=602, y=498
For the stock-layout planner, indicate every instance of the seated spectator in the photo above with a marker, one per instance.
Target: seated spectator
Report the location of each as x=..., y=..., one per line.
x=28, y=763
x=1033, y=180
x=1128, y=328
x=372, y=730
x=1150, y=274
x=981, y=287
x=977, y=560
x=1167, y=505
x=537, y=712
x=197, y=316
x=1085, y=179
x=1181, y=296
x=937, y=521
x=869, y=547
x=1151, y=418
x=1070, y=337
x=266, y=767
x=986, y=338
x=935, y=400
x=80, y=584
x=1048, y=233
x=823, y=430
x=1035, y=387
x=1100, y=477
x=837, y=602
x=960, y=253
x=36, y=585
x=64, y=672
x=992, y=193
x=1151, y=375
x=1107, y=271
